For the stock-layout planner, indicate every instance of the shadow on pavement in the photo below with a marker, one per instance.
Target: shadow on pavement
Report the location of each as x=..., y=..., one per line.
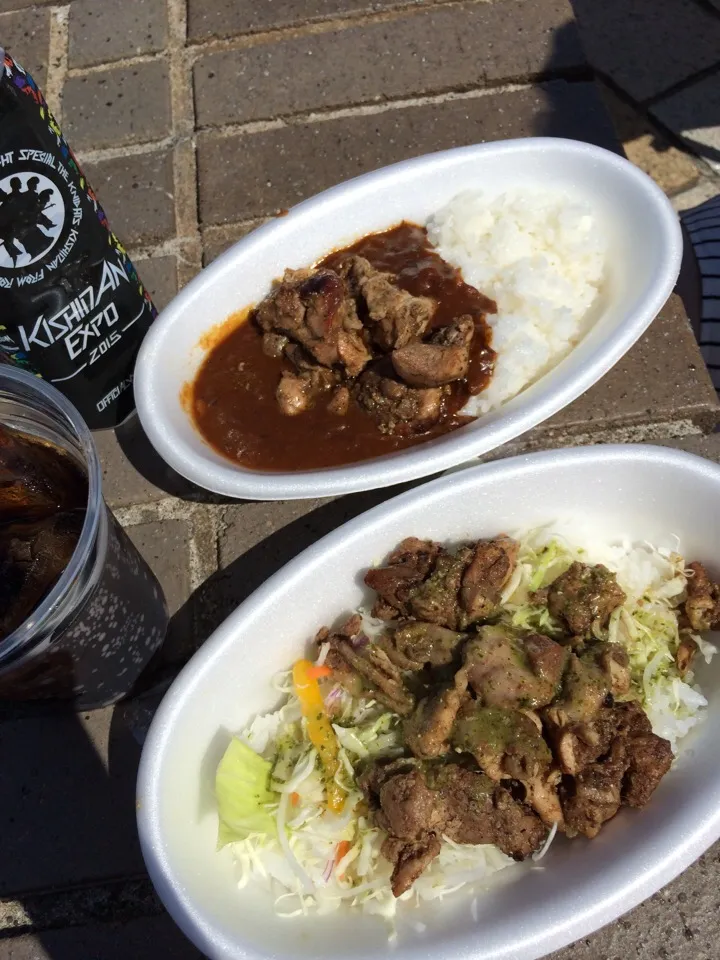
x=226, y=589
x=134, y=443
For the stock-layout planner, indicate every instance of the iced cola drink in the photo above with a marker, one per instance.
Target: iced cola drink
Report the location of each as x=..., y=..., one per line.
x=81, y=614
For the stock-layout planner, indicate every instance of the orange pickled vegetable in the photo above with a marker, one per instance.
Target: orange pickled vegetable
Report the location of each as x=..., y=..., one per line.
x=322, y=736
x=294, y=798
x=314, y=673
x=342, y=849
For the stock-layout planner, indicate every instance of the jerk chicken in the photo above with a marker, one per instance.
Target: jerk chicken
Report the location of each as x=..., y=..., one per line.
x=506, y=732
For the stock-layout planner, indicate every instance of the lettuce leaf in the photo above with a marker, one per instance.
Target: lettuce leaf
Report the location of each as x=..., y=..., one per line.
x=242, y=793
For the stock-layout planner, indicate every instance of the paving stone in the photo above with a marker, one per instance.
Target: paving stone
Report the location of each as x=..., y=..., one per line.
x=678, y=923
x=132, y=471
x=661, y=379
x=648, y=46
x=103, y=32
x=644, y=144
x=707, y=447
x=226, y=18
x=217, y=240
x=160, y=277
x=112, y=901
x=702, y=191
x=148, y=938
x=164, y=545
x=26, y=36
x=693, y=114
x=257, y=539
x=433, y=50
x=248, y=175
x=8, y=5
x=67, y=811
x=137, y=194
x=116, y=106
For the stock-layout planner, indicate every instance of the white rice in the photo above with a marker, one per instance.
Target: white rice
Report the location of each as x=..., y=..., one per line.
x=541, y=257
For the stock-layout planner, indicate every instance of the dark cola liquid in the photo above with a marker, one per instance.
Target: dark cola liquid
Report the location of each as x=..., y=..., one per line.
x=72, y=307
x=102, y=640
x=43, y=502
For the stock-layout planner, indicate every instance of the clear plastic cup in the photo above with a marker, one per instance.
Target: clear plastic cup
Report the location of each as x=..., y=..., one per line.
x=94, y=632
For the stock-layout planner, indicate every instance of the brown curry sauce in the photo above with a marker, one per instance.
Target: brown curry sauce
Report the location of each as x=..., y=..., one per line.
x=233, y=397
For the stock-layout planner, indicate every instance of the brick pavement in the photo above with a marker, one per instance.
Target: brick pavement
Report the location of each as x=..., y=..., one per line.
x=196, y=120
x=662, y=58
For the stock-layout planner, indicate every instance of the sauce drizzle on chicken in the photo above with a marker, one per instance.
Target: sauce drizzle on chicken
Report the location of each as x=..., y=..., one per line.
x=506, y=732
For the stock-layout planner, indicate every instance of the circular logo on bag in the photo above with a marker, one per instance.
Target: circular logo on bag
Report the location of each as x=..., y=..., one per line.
x=32, y=214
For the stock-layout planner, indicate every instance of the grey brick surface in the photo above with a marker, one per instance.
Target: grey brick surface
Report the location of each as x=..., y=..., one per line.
x=137, y=195
x=217, y=240
x=250, y=175
x=67, y=801
x=420, y=52
x=707, y=447
x=149, y=938
x=26, y=35
x=693, y=114
x=648, y=46
x=10, y=5
x=103, y=32
x=132, y=471
x=160, y=277
x=678, y=923
x=165, y=548
x=660, y=379
x=117, y=106
x=257, y=539
x=225, y=18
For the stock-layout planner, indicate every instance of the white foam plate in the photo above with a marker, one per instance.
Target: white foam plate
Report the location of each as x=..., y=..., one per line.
x=631, y=491
x=645, y=248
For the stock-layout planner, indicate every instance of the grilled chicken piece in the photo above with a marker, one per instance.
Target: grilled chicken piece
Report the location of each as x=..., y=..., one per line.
x=509, y=671
x=364, y=667
x=595, y=794
x=505, y=743
x=487, y=574
x=417, y=807
x=585, y=689
x=407, y=566
x=396, y=407
x=702, y=606
x=685, y=654
x=628, y=772
x=435, y=600
x=427, y=731
x=410, y=858
x=415, y=645
x=395, y=316
x=442, y=359
x=584, y=596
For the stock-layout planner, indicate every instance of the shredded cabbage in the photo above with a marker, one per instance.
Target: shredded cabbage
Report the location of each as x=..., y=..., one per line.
x=313, y=860
x=270, y=788
x=654, y=582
